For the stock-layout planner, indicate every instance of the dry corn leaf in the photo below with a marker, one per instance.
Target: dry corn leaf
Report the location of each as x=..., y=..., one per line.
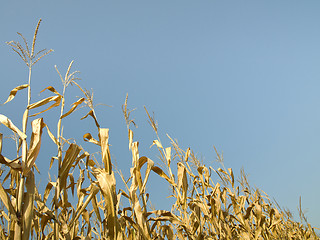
x=82, y=209
x=14, y=92
x=7, y=202
x=35, y=144
x=107, y=184
x=104, y=141
x=168, y=155
x=164, y=215
x=14, y=164
x=156, y=142
x=7, y=122
x=187, y=155
x=141, y=220
x=95, y=207
x=183, y=182
x=67, y=162
x=161, y=173
x=47, y=190
x=150, y=164
x=91, y=113
x=135, y=153
x=88, y=138
x=52, y=89
x=232, y=176
x=55, y=99
x=53, y=138
x=74, y=106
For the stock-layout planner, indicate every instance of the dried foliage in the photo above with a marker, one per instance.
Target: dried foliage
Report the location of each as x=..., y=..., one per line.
x=87, y=205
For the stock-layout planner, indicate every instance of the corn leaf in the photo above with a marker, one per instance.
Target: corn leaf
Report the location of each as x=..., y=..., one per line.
x=14, y=92
x=104, y=141
x=75, y=105
x=55, y=99
x=14, y=164
x=35, y=144
x=7, y=122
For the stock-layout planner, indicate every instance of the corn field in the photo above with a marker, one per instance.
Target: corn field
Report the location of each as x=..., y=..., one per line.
x=202, y=209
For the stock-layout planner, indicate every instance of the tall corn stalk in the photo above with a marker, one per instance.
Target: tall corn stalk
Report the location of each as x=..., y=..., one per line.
x=25, y=216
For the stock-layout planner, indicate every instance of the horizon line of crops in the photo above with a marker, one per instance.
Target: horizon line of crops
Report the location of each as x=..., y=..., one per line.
x=203, y=209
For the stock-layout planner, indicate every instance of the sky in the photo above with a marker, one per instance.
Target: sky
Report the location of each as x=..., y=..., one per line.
x=243, y=76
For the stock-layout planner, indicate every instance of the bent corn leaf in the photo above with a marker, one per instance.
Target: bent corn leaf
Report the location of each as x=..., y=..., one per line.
x=88, y=138
x=93, y=116
x=75, y=105
x=55, y=99
x=14, y=92
x=7, y=122
x=52, y=89
x=7, y=202
x=14, y=164
x=35, y=144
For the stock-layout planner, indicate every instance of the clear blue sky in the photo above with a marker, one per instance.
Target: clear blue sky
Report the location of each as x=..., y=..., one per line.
x=241, y=75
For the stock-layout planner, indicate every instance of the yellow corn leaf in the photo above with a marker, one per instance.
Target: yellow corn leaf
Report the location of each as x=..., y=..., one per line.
x=88, y=138
x=51, y=161
x=168, y=155
x=248, y=211
x=95, y=207
x=221, y=170
x=14, y=164
x=232, y=176
x=187, y=155
x=67, y=162
x=135, y=153
x=182, y=177
x=183, y=182
x=104, y=141
x=93, y=116
x=123, y=193
x=137, y=172
x=133, y=224
x=156, y=142
x=7, y=122
x=52, y=89
x=72, y=183
x=7, y=202
x=35, y=144
x=141, y=219
x=14, y=92
x=161, y=173
x=53, y=138
x=75, y=105
x=149, y=167
x=167, y=216
x=107, y=184
x=79, y=211
x=85, y=215
x=55, y=99
x=28, y=206
x=47, y=190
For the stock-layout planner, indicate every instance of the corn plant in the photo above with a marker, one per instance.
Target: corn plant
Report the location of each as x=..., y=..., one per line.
x=208, y=203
